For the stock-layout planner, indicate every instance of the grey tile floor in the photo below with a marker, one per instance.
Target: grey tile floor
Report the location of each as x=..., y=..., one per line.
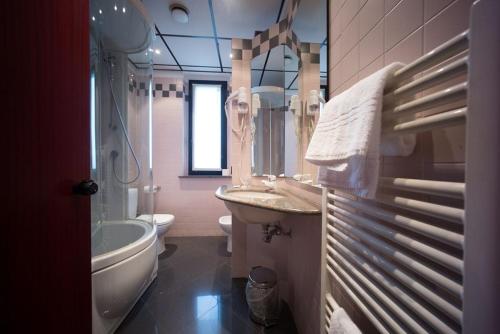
x=194, y=294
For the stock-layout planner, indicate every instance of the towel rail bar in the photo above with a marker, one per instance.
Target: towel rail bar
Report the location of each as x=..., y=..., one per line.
x=443, y=97
x=446, y=50
x=410, y=263
x=445, y=119
x=398, y=275
x=451, y=214
x=366, y=295
x=429, y=187
x=368, y=273
x=448, y=237
x=436, y=77
x=421, y=248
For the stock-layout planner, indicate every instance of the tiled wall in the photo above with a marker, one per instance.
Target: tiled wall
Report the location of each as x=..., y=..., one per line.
x=191, y=200
x=366, y=35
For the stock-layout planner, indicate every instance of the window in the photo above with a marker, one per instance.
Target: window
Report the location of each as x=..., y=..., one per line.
x=207, y=127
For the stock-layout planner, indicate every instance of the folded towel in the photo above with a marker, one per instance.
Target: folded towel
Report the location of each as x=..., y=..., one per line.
x=340, y=323
x=347, y=140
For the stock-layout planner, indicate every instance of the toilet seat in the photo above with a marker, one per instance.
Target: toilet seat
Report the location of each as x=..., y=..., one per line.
x=159, y=218
x=163, y=218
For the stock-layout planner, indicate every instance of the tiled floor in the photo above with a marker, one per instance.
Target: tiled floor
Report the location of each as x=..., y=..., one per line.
x=194, y=293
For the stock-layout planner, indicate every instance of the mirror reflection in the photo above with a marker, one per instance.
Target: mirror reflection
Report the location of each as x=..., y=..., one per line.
x=275, y=134
x=289, y=89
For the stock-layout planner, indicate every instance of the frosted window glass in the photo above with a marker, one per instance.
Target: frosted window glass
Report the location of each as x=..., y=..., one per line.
x=206, y=127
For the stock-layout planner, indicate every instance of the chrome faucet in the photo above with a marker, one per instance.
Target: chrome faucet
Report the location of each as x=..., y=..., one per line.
x=270, y=182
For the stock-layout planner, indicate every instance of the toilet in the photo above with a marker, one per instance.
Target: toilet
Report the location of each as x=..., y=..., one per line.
x=163, y=221
x=225, y=223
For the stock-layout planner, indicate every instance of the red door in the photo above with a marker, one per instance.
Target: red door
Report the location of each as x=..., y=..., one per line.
x=45, y=240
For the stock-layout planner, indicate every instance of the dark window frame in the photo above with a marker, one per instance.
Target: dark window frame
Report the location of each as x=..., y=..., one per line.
x=223, y=134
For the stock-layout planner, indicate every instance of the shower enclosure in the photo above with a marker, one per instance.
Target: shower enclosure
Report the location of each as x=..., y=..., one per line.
x=123, y=247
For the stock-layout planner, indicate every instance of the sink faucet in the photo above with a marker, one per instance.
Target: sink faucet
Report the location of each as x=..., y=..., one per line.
x=271, y=181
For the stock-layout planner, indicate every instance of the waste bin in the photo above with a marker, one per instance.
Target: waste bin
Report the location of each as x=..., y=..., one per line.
x=263, y=296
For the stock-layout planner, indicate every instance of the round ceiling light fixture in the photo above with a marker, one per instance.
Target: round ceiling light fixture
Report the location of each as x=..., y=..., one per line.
x=179, y=13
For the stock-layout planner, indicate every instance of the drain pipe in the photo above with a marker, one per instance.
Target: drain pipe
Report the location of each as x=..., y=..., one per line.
x=270, y=230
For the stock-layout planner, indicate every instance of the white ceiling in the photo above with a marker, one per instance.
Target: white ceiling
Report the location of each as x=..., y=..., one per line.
x=196, y=48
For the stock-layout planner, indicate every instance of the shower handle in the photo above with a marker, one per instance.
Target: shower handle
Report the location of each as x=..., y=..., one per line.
x=86, y=188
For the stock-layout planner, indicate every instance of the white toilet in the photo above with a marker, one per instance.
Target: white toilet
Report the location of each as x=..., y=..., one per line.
x=162, y=221
x=225, y=223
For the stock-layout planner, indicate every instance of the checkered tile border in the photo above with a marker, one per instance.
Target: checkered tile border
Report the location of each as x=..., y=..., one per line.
x=160, y=89
x=279, y=33
x=309, y=53
x=168, y=90
x=241, y=49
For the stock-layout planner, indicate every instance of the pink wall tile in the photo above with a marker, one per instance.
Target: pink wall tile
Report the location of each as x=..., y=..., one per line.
x=374, y=66
x=407, y=50
x=369, y=15
x=432, y=7
x=406, y=17
x=371, y=46
x=449, y=23
x=349, y=37
x=390, y=4
x=348, y=12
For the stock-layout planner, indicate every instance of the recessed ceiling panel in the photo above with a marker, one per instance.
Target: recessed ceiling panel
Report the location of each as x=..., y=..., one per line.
x=240, y=19
x=310, y=22
x=273, y=79
x=199, y=17
x=225, y=52
x=189, y=51
x=164, y=56
x=201, y=69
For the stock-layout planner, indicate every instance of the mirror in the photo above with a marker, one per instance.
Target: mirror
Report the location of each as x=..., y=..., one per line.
x=274, y=126
x=289, y=88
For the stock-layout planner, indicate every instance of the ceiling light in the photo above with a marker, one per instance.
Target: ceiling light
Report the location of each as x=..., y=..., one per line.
x=157, y=51
x=100, y=11
x=115, y=7
x=124, y=9
x=230, y=55
x=93, y=18
x=179, y=13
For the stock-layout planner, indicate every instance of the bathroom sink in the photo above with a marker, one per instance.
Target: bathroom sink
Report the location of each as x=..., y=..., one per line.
x=257, y=205
x=255, y=195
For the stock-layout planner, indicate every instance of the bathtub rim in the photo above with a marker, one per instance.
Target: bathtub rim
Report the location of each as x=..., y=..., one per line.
x=108, y=259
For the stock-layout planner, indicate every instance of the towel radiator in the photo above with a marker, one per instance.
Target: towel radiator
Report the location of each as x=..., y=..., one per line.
x=402, y=259
x=399, y=257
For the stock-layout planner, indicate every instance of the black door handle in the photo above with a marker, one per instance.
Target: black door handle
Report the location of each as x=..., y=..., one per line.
x=86, y=188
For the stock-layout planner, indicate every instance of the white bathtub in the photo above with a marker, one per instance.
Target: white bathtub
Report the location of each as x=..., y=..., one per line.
x=124, y=263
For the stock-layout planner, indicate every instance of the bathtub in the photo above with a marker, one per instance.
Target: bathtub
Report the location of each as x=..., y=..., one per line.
x=124, y=263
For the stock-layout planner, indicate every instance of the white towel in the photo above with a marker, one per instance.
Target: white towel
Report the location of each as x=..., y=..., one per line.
x=340, y=323
x=347, y=140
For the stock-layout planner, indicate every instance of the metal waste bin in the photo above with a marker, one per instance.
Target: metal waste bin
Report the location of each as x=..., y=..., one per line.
x=263, y=296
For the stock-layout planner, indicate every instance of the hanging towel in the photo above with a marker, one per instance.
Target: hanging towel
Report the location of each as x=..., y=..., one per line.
x=346, y=143
x=340, y=323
